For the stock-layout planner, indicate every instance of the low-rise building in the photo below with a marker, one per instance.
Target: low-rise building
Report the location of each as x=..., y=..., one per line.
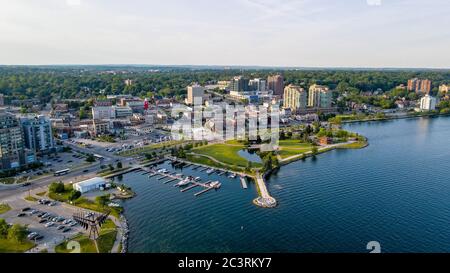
x=92, y=184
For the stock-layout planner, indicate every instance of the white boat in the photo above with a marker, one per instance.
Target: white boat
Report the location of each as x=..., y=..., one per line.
x=163, y=171
x=184, y=182
x=232, y=175
x=210, y=171
x=198, y=178
x=215, y=184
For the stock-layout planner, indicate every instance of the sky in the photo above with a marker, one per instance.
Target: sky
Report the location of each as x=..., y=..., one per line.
x=294, y=33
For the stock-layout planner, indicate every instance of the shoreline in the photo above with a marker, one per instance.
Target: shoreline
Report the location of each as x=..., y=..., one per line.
x=396, y=118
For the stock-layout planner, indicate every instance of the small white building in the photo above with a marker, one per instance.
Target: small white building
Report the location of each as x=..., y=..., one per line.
x=428, y=103
x=90, y=184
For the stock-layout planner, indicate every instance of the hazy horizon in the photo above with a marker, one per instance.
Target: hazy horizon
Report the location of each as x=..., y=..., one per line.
x=372, y=34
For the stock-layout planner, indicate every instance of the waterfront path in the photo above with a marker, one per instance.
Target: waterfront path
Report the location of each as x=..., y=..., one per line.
x=264, y=200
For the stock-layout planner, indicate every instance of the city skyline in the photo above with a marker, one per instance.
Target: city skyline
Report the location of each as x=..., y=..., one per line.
x=357, y=33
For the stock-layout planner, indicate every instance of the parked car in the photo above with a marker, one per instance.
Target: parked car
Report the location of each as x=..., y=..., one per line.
x=67, y=229
x=42, y=221
x=39, y=237
x=25, y=209
x=49, y=224
x=60, y=227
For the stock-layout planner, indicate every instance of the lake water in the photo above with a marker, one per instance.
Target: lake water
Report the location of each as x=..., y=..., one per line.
x=396, y=192
x=250, y=156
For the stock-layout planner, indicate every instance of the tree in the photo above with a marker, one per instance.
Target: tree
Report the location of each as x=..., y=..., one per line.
x=111, y=167
x=3, y=228
x=56, y=187
x=90, y=158
x=17, y=233
x=314, y=150
x=74, y=195
x=119, y=165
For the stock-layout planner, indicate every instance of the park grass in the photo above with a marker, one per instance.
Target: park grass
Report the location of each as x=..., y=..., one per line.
x=31, y=199
x=105, y=241
x=208, y=162
x=12, y=246
x=292, y=147
x=4, y=208
x=227, y=154
x=86, y=245
x=7, y=180
x=355, y=145
x=91, y=205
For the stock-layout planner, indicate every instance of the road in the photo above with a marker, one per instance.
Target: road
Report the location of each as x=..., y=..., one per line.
x=77, y=174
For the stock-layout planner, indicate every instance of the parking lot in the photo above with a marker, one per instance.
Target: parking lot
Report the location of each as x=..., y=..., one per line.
x=53, y=163
x=51, y=221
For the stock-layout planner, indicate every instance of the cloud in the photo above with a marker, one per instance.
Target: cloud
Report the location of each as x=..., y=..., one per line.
x=73, y=2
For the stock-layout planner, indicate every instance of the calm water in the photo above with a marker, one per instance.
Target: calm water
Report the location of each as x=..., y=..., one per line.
x=396, y=191
x=250, y=156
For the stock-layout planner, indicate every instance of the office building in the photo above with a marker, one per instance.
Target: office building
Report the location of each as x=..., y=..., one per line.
x=294, y=98
x=2, y=100
x=103, y=112
x=319, y=96
x=276, y=84
x=38, y=134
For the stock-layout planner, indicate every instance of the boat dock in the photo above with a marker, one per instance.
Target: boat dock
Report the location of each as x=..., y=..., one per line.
x=193, y=184
x=243, y=183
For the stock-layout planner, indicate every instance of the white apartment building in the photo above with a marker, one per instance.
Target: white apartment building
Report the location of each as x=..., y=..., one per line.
x=428, y=103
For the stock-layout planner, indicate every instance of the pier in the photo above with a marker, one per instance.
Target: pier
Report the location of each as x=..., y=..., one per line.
x=243, y=183
x=264, y=200
x=173, y=177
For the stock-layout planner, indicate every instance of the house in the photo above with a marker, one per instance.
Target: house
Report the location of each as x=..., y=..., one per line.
x=325, y=141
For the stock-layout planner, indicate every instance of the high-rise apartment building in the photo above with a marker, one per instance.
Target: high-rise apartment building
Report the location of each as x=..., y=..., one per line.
x=258, y=85
x=319, y=96
x=239, y=84
x=194, y=91
x=2, y=100
x=428, y=103
x=12, y=147
x=418, y=85
x=276, y=84
x=38, y=134
x=294, y=98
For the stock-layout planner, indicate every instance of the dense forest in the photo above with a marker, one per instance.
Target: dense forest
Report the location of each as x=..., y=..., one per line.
x=67, y=82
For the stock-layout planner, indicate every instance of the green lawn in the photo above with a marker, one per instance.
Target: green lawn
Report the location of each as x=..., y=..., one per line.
x=4, y=208
x=293, y=147
x=105, y=241
x=227, y=154
x=151, y=148
x=10, y=246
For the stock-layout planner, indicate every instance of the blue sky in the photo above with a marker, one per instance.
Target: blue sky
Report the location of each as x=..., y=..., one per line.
x=307, y=33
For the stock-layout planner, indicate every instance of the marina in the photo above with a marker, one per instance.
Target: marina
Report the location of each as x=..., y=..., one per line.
x=186, y=183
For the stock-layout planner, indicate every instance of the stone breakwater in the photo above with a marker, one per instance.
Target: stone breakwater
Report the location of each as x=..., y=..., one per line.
x=125, y=234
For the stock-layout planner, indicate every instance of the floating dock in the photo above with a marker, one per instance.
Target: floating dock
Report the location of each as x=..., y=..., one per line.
x=243, y=183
